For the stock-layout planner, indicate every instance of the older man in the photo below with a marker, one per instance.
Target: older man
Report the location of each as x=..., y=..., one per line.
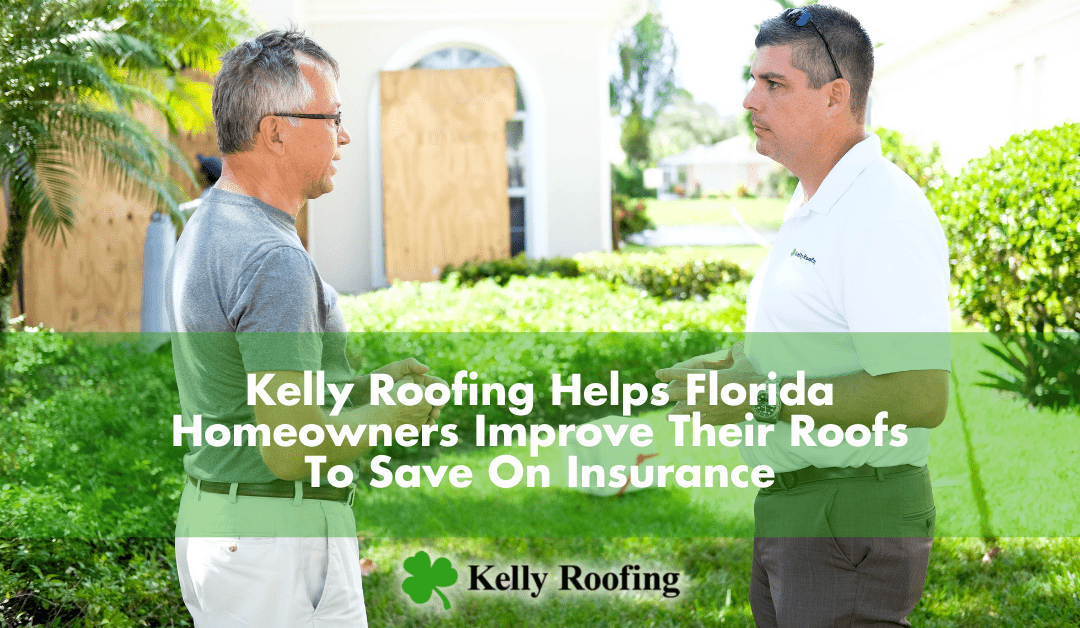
x=843, y=536
x=257, y=543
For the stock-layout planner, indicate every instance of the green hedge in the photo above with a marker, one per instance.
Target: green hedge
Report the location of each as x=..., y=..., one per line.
x=664, y=275
x=1013, y=219
x=502, y=270
x=532, y=328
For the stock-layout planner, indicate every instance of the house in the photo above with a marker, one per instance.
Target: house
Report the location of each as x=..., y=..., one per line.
x=556, y=178
x=721, y=167
x=970, y=85
x=492, y=142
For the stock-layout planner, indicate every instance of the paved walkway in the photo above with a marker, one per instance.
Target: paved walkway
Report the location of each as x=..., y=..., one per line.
x=700, y=235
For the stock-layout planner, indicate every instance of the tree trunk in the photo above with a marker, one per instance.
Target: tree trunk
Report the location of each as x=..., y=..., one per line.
x=10, y=261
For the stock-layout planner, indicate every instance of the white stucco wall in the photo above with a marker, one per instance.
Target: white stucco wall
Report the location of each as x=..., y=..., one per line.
x=559, y=50
x=1005, y=73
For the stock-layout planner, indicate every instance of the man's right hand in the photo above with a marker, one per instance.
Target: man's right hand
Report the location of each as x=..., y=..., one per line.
x=719, y=359
x=419, y=414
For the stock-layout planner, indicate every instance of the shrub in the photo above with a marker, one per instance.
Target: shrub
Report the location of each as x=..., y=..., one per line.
x=75, y=407
x=629, y=180
x=923, y=167
x=742, y=191
x=629, y=215
x=531, y=329
x=667, y=276
x=90, y=483
x=1045, y=370
x=90, y=582
x=1013, y=218
x=502, y=270
x=780, y=184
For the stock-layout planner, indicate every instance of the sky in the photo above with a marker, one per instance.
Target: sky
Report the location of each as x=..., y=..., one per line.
x=715, y=38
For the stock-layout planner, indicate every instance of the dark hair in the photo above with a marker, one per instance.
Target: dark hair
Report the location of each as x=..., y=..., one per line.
x=259, y=77
x=850, y=45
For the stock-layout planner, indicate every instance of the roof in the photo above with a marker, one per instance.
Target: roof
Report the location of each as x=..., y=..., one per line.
x=735, y=150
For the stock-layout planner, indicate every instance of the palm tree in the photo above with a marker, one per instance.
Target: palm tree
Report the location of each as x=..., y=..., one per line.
x=70, y=73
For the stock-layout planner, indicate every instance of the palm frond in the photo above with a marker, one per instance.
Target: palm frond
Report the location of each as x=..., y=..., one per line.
x=103, y=40
x=55, y=195
x=71, y=75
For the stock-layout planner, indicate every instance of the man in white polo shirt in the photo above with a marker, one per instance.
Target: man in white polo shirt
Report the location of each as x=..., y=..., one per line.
x=855, y=295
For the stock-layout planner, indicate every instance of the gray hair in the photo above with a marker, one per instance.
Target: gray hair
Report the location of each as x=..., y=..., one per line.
x=260, y=77
x=850, y=45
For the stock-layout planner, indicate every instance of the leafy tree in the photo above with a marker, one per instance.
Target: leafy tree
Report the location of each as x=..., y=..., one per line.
x=71, y=72
x=645, y=84
x=685, y=124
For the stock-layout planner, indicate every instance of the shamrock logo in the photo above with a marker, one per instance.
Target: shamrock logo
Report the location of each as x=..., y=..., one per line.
x=427, y=577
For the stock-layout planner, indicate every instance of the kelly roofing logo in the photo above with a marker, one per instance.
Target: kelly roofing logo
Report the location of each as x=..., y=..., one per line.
x=426, y=578
x=796, y=253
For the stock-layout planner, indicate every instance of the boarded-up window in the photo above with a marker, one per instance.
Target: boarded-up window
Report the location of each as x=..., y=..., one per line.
x=444, y=168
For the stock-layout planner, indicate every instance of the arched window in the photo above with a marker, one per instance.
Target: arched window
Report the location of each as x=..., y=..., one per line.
x=516, y=133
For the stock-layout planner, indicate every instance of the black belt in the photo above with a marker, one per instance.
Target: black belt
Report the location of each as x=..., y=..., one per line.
x=791, y=479
x=282, y=489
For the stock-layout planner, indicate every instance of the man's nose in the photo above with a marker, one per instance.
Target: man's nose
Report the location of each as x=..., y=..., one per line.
x=750, y=100
x=343, y=136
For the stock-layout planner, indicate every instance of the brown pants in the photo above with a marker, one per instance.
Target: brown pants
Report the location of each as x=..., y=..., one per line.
x=813, y=579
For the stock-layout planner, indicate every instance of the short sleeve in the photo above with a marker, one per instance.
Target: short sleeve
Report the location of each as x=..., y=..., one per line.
x=276, y=313
x=896, y=293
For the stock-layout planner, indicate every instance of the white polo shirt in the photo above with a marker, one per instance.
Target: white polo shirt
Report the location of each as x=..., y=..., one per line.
x=864, y=259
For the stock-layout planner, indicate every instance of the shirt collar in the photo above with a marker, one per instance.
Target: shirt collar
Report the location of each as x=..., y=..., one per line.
x=842, y=175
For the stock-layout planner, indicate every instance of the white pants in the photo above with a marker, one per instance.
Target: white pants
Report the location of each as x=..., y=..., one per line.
x=310, y=581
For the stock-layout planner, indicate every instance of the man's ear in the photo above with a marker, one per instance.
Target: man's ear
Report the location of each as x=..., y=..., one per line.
x=838, y=97
x=270, y=129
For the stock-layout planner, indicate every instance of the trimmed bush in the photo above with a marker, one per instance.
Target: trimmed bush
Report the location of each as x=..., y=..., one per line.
x=502, y=270
x=677, y=276
x=1013, y=219
x=666, y=276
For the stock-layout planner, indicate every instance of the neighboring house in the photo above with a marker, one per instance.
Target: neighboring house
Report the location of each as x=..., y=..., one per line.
x=718, y=168
x=969, y=86
x=558, y=195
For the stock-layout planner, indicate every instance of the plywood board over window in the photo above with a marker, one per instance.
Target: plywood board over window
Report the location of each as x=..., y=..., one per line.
x=444, y=168
x=91, y=280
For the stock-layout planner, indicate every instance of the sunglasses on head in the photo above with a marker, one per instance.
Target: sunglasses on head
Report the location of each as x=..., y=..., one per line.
x=802, y=17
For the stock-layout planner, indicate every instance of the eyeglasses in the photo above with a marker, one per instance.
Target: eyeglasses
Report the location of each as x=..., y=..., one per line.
x=802, y=17
x=336, y=117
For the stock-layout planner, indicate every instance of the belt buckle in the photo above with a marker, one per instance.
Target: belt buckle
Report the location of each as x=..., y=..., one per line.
x=352, y=495
x=786, y=483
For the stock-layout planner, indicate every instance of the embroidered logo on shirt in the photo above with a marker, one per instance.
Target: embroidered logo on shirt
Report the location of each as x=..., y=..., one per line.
x=796, y=253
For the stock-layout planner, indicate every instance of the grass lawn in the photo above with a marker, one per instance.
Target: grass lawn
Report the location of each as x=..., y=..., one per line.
x=762, y=213
x=766, y=213
x=1002, y=474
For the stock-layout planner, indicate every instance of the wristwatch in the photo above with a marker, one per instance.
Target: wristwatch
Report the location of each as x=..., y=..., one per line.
x=765, y=412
